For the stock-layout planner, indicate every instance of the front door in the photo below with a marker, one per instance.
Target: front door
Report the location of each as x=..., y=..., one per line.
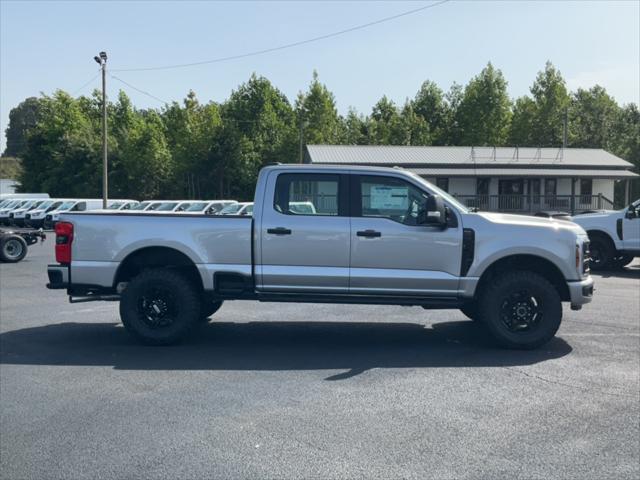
x=390, y=252
x=510, y=194
x=631, y=227
x=305, y=235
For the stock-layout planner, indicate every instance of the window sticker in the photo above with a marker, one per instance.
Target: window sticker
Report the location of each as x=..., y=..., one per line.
x=389, y=198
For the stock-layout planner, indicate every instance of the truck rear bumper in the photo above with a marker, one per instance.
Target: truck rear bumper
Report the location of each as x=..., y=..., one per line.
x=58, y=277
x=581, y=292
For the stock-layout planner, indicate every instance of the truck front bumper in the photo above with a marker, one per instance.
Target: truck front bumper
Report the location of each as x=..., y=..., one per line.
x=581, y=292
x=58, y=277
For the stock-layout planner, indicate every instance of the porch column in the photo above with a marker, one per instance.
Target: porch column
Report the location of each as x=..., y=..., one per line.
x=627, y=192
x=573, y=196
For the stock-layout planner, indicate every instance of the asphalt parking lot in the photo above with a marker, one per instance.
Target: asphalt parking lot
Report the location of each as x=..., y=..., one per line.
x=314, y=391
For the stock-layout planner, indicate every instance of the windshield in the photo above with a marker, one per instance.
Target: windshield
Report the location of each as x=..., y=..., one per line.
x=46, y=204
x=636, y=204
x=449, y=198
x=196, y=207
x=140, y=206
x=163, y=207
x=231, y=209
x=115, y=205
x=66, y=205
x=11, y=204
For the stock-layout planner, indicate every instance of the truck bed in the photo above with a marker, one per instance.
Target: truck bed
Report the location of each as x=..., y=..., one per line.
x=103, y=240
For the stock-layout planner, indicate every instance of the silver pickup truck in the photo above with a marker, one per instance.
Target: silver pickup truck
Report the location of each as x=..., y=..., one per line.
x=374, y=236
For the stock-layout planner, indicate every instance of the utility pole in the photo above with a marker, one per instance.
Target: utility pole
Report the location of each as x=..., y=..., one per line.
x=101, y=59
x=565, y=122
x=301, y=153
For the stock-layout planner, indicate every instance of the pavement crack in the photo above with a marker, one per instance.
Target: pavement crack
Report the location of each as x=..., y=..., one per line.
x=568, y=385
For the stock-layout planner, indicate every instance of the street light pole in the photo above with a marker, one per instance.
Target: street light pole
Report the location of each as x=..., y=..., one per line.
x=102, y=60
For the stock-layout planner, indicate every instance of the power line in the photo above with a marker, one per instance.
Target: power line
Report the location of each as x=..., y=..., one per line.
x=84, y=85
x=288, y=45
x=138, y=90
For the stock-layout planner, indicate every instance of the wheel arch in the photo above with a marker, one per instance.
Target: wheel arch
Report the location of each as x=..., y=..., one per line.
x=526, y=262
x=156, y=257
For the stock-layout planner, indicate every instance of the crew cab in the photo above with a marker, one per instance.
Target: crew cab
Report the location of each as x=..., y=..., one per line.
x=374, y=236
x=614, y=236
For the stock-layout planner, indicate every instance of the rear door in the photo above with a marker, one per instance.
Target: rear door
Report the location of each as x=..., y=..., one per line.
x=304, y=252
x=391, y=253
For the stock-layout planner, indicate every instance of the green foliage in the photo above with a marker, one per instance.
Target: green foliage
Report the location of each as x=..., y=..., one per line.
x=193, y=150
x=484, y=113
x=10, y=167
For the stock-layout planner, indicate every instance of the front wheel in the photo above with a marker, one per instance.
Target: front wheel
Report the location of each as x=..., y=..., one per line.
x=601, y=252
x=521, y=309
x=159, y=306
x=13, y=248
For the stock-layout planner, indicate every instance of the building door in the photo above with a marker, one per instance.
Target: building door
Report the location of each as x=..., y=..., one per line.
x=482, y=191
x=510, y=194
x=534, y=193
x=391, y=253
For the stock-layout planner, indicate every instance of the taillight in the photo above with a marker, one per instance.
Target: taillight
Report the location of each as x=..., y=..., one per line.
x=64, y=237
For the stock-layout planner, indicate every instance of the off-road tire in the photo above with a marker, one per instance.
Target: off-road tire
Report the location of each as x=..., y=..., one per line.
x=470, y=310
x=620, y=261
x=209, y=308
x=521, y=288
x=170, y=295
x=602, y=252
x=13, y=248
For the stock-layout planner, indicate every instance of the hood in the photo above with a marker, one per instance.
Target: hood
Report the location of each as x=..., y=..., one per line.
x=603, y=213
x=527, y=220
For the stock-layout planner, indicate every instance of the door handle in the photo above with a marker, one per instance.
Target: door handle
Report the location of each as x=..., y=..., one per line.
x=368, y=234
x=279, y=231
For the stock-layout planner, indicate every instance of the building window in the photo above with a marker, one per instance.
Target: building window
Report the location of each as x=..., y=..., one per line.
x=442, y=183
x=586, y=190
x=550, y=187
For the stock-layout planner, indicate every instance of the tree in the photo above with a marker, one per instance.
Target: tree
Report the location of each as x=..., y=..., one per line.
x=551, y=102
x=317, y=114
x=259, y=128
x=429, y=103
x=521, y=128
x=22, y=119
x=354, y=129
x=484, y=113
x=592, y=116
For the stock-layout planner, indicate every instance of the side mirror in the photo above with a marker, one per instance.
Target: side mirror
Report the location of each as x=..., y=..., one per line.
x=631, y=213
x=435, y=212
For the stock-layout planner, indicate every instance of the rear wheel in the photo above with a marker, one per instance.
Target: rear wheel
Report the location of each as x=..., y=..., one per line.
x=601, y=252
x=470, y=310
x=620, y=261
x=208, y=309
x=13, y=248
x=521, y=310
x=160, y=306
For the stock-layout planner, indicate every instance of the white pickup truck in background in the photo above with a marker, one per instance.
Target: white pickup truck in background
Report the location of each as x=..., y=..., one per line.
x=328, y=234
x=614, y=236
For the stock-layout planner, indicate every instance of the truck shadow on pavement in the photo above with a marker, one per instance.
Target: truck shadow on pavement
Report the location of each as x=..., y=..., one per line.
x=272, y=346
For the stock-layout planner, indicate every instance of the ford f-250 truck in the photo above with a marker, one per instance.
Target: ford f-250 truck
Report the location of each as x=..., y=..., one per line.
x=614, y=236
x=375, y=236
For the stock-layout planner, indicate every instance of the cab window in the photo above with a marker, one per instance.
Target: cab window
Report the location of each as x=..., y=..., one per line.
x=307, y=194
x=392, y=198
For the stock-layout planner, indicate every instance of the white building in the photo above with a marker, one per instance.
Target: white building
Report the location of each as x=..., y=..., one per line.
x=499, y=178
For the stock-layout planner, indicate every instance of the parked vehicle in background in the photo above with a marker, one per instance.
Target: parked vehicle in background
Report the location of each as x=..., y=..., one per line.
x=614, y=236
x=121, y=205
x=302, y=208
x=557, y=215
x=241, y=208
x=16, y=216
x=14, y=244
x=10, y=207
x=374, y=236
x=20, y=215
x=35, y=217
x=163, y=206
x=23, y=196
x=203, y=207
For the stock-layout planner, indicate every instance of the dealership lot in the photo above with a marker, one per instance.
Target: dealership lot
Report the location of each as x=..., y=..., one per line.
x=325, y=391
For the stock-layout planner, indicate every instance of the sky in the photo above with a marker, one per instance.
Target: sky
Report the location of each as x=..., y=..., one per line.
x=49, y=45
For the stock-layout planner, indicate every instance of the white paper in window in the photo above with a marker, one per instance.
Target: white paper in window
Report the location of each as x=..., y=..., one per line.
x=389, y=198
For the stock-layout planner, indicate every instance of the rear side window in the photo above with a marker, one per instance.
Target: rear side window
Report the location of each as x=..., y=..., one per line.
x=308, y=194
